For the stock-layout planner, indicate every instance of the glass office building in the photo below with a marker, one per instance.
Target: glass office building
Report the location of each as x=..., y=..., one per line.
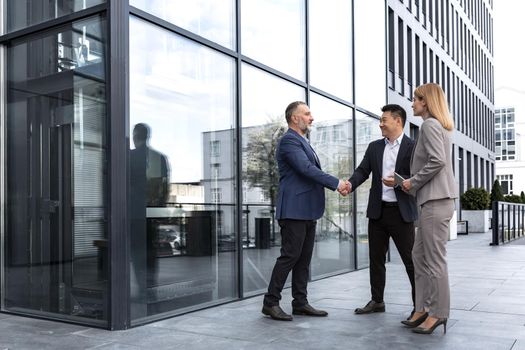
x=138, y=177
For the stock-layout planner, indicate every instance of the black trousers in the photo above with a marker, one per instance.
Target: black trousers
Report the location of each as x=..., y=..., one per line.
x=380, y=230
x=297, y=243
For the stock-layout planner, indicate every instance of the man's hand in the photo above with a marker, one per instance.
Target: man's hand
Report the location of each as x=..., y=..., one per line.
x=344, y=187
x=389, y=181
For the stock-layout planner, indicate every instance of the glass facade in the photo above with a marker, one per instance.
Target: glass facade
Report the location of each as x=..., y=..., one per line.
x=181, y=207
x=367, y=130
x=280, y=45
x=55, y=234
x=263, y=96
x=211, y=19
x=24, y=13
x=206, y=89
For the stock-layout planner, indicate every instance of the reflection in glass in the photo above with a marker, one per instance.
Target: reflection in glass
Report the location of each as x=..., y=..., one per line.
x=367, y=130
x=331, y=137
x=24, y=13
x=211, y=19
x=265, y=98
x=273, y=32
x=370, y=63
x=183, y=245
x=56, y=238
x=331, y=60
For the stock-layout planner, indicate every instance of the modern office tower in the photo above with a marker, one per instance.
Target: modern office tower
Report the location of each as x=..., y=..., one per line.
x=449, y=43
x=138, y=139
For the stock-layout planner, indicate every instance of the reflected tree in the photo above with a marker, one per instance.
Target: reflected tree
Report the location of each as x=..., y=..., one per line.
x=261, y=166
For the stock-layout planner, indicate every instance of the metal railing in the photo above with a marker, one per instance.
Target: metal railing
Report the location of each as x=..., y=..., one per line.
x=508, y=222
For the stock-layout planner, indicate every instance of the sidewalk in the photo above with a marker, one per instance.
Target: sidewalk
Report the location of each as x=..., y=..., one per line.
x=488, y=312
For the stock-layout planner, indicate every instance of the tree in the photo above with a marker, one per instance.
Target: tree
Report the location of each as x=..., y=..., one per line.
x=261, y=165
x=522, y=197
x=496, y=194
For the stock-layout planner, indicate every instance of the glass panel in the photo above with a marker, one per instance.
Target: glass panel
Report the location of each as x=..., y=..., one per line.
x=273, y=32
x=56, y=240
x=367, y=130
x=331, y=137
x=370, y=60
x=182, y=177
x=265, y=98
x=211, y=19
x=331, y=47
x=24, y=13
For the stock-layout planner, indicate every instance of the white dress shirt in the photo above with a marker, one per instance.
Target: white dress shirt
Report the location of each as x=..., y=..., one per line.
x=389, y=166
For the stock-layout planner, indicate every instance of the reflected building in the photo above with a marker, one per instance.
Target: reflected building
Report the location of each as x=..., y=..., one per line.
x=212, y=82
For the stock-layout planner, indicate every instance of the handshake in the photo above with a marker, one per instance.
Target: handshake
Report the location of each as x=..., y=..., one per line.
x=344, y=188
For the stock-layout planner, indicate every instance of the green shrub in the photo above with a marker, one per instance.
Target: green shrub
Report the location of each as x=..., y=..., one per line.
x=512, y=198
x=475, y=199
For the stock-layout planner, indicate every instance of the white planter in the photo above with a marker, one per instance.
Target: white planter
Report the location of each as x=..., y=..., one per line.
x=453, y=227
x=478, y=220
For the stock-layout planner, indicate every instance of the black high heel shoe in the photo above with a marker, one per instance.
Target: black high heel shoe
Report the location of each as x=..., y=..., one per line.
x=440, y=321
x=416, y=322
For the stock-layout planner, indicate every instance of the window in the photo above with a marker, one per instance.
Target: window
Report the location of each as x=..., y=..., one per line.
x=506, y=183
x=216, y=170
x=215, y=148
x=216, y=195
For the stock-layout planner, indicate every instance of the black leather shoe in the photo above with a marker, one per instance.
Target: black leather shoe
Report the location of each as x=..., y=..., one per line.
x=372, y=306
x=276, y=313
x=309, y=310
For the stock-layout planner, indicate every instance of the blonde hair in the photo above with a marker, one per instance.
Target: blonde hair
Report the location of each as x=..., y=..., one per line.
x=437, y=105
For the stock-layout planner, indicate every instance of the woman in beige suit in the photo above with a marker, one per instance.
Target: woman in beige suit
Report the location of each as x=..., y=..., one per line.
x=432, y=182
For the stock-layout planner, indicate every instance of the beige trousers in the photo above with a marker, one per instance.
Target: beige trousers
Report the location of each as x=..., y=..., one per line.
x=430, y=258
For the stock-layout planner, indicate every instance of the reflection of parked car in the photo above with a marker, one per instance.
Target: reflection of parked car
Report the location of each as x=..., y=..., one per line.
x=170, y=236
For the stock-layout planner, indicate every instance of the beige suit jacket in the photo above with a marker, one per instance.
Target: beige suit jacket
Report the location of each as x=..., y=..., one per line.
x=431, y=165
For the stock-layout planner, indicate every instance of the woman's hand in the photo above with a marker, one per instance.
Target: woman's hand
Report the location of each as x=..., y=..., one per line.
x=406, y=185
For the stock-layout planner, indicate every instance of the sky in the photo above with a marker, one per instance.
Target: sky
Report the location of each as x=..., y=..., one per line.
x=509, y=48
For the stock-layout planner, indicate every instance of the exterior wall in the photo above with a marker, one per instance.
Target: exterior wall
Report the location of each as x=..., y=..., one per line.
x=511, y=98
x=428, y=43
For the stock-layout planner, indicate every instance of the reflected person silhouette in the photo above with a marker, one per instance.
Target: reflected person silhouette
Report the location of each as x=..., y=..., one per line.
x=149, y=187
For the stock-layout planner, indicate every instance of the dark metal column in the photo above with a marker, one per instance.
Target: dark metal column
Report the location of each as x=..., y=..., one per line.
x=118, y=99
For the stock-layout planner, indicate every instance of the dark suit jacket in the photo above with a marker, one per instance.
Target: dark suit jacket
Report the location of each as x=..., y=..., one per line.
x=373, y=163
x=301, y=180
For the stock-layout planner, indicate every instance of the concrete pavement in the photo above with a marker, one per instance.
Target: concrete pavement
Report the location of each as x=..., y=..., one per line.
x=487, y=297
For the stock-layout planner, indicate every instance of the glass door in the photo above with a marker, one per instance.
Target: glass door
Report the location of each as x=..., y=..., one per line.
x=55, y=233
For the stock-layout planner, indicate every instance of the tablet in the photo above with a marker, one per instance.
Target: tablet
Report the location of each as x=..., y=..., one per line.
x=398, y=179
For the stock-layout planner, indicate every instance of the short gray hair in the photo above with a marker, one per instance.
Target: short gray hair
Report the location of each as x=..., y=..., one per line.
x=291, y=109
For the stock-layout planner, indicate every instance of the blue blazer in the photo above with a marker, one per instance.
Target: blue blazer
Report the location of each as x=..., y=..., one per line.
x=301, y=180
x=373, y=163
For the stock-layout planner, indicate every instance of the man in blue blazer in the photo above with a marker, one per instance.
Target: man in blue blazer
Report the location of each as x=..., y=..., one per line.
x=391, y=212
x=300, y=202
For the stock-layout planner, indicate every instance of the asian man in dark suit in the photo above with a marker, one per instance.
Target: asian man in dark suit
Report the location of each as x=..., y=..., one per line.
x=300, y=202
x=391, y=212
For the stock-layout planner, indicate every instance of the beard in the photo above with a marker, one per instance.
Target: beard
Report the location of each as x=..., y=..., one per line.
x=304, y=127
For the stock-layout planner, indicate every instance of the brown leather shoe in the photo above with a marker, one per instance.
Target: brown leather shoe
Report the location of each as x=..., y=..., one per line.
x=276, y=313
x=372, y=306
x=309, y=310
